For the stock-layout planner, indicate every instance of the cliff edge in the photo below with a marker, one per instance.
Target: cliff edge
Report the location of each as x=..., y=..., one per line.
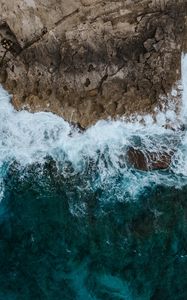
x=90, y=59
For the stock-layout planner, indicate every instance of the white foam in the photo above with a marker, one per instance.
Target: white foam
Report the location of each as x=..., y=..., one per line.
x=29, y=137
x=180, y=162
x=184, y=87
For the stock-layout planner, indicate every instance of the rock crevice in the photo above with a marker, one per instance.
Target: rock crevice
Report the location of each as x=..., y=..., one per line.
x=89, y=60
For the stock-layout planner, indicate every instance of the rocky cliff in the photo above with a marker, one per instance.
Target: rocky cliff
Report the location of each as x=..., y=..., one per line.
x=91, y=59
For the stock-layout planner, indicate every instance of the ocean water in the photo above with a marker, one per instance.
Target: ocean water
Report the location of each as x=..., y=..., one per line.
x=78, y=221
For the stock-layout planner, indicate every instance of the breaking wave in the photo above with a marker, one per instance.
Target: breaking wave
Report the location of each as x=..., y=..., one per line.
x=79, y=219
x=27, y=138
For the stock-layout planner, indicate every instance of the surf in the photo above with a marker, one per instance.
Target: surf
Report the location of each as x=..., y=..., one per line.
x=29, y=138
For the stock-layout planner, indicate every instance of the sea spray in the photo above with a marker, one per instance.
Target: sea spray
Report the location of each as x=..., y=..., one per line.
x=77, y=221
x=28, y=138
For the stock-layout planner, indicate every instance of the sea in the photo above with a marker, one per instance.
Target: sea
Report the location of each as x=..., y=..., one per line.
x=78, y=221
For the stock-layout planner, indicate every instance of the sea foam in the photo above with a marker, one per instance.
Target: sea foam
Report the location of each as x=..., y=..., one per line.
x=29, y=138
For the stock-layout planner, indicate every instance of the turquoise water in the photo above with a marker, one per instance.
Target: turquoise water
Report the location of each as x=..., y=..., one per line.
x=61, y=239
x=78, y=222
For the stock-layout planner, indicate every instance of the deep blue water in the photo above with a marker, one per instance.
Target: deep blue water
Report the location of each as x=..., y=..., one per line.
x=50, y=248
x=78, y=222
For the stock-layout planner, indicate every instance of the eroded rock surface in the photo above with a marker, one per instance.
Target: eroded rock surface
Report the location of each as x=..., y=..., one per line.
x=90, y=59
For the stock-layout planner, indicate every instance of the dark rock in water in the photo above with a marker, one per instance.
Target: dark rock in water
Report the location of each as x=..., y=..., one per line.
x=146, y=160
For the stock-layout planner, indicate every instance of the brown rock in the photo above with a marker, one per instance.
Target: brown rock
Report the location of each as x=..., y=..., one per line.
x=158, y=45
x=3, y=75
x=146, y=160
x=111, y=108
x=81, y=56
x=159, y=35
x=148, y=44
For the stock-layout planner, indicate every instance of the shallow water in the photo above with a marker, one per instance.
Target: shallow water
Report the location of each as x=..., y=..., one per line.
x=77, y=221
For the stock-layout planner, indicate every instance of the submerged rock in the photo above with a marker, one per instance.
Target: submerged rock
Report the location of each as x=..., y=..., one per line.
x=88, y=60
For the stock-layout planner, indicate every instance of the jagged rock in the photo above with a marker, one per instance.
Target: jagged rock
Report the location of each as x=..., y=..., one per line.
x=158, y=46
x=8, y=39
x=159, y=35
x=145, y=160
x=148, y=44
x=88, y=60
x=76, y=127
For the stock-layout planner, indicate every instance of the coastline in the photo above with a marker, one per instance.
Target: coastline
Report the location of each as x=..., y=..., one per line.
x=98, y=61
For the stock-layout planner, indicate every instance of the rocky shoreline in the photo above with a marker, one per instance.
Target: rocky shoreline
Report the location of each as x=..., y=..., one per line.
x=89, y=60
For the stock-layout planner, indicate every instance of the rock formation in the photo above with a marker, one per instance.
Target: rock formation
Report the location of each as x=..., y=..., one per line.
x=91, y=59
x=146, y=160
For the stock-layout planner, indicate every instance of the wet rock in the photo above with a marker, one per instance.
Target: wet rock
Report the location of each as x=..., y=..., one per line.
x=76, y=127
x=145, y=160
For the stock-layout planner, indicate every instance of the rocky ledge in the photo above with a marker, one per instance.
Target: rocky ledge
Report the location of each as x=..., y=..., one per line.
x=90, y=59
